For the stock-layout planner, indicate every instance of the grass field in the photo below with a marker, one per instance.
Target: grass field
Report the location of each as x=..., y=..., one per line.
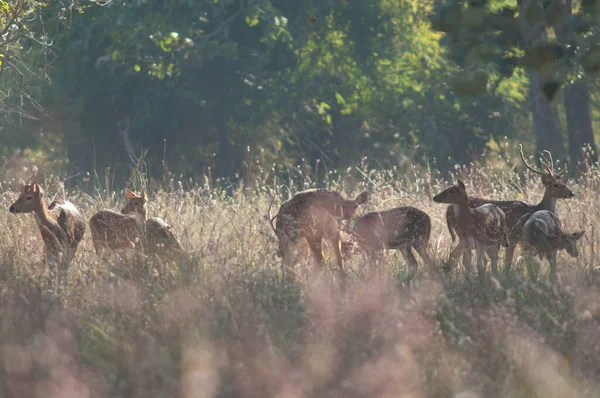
x=221, y=322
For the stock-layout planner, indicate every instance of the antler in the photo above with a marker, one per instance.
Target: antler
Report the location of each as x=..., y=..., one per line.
x=551, y=168
x=531, y=167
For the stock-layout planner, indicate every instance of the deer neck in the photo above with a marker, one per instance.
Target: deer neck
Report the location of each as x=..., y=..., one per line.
x=461, y=209
x=548, y=202
x=43, y=217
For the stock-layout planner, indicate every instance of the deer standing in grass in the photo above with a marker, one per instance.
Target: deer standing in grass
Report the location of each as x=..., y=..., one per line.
x=544, y=237
x=61, y=225
x=312, y=214
x=517, y=212
x=402, y=228
x=482, y=228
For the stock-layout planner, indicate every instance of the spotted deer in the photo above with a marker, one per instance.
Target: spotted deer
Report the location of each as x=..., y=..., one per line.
x=61, y=225
x=112, y=230
x=544, y=237
x=314, y=215
x=482, y=228
x=517, y=212
x=404, y=228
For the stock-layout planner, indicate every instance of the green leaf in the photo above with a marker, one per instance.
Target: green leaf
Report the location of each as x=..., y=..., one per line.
x=340, y=100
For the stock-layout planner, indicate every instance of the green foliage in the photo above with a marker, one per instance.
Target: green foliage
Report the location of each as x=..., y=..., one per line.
x=204, y=84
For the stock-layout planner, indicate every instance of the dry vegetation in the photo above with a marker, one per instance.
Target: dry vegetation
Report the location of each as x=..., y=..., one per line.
x=221, y=322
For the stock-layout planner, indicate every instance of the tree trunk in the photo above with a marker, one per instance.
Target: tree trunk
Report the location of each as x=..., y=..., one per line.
x=546, y=124
x=579, y=122
x=578, y=109
x=222, y=112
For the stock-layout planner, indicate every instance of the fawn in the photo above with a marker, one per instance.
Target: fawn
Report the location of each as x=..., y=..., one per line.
x=543, y=236
x=112, y=230
x=482, y=228
x=517, y=212
x=312, y=214
x=61, y=225
x=401, y=228
x=123, y=230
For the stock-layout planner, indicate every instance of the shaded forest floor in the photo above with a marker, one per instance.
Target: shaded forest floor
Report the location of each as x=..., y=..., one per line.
x=221, y=321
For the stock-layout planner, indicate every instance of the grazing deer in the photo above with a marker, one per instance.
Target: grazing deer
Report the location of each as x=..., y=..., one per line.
x=158, y=235
x=543, y=236
x=112, y=230
x=401, y=228
x=61, y=225
x=312, y=214
x=517, y=212
x=482, y=227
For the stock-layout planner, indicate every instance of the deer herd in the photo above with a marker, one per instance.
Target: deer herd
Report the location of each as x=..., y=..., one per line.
x=317, y=214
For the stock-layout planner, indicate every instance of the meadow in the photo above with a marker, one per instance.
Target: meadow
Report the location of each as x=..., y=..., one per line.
x=222, y=322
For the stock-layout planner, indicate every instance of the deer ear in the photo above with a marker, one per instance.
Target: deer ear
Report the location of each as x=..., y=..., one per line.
x=577, y=235
x=143, y=194
x=130, y=194
x=461, y=185
x=362, y=198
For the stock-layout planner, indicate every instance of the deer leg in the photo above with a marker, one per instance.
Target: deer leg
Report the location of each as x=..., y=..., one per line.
x=552, y=261
x=481, y=268
x=508, y=257
x=468, y=262
x=336, y=242
x=317, y=252
x=455, y=254
x=421, y=248
x=411, y=261
x=492, y=253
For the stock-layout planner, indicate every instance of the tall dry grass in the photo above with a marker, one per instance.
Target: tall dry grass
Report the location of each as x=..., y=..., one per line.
x=221, y=322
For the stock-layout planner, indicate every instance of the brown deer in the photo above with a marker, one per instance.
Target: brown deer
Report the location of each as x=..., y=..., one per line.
x=61, y=225
x=132, y=230
x=517, y=212
x=312, y=214
x=544, y=237
x=159, y=236
x=112, y=230
x=401, y=228
x=482, y=228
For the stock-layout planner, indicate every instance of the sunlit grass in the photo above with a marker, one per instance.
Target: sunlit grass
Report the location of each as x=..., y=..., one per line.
x=222, y=322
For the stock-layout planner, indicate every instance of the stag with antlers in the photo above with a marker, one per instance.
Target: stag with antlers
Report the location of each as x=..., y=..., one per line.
x=517, y=212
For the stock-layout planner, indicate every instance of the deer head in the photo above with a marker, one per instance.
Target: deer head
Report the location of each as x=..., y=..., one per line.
x=456, y=194
x=554, y=183
x=136, y=203
x=348, y=207
x=571, y=242
x=30, y=200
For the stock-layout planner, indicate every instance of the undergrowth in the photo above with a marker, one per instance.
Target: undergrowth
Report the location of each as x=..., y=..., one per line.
x=222, y=322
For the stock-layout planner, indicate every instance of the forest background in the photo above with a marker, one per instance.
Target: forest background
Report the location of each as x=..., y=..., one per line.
x=225, y=87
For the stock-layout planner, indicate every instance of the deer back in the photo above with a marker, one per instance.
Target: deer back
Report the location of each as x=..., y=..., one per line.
x=114, y=230
x=392, y=228
x=515, y=212
x=160, y=235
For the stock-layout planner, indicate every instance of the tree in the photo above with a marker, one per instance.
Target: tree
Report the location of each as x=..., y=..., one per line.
x=506, y=36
